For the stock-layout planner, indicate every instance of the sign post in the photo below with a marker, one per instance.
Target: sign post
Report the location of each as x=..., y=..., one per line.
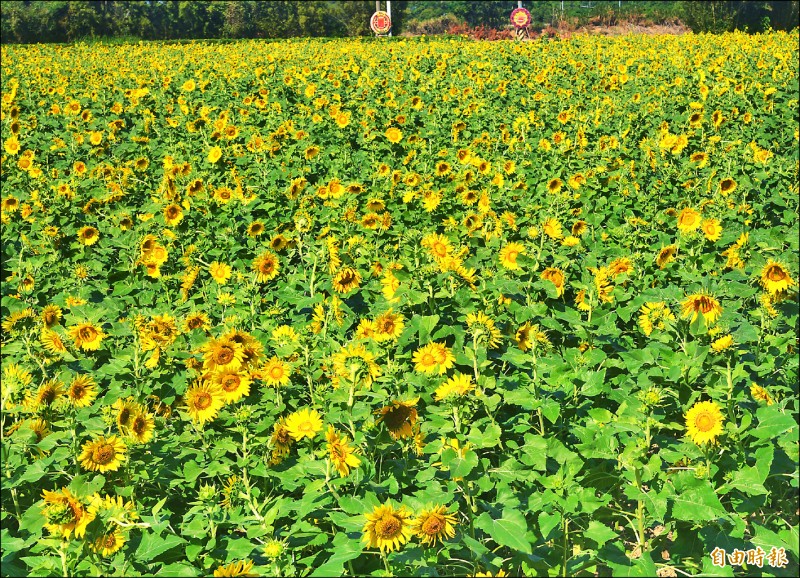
x=521, y=19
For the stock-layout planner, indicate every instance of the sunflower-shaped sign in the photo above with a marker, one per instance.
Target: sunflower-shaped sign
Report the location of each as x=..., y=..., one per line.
x=520, y=18
x=380, y=22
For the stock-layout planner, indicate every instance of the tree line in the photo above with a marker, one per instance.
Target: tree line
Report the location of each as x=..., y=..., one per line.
x=26, y=21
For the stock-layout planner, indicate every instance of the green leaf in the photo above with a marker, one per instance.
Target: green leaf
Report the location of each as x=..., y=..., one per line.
x=178, y=569
x=547, y=522
x=153, y=545
x=600, y=533
x=344, y=550
x=696, y=501
x=509, y=530
x=459, y=467
x=772, y=423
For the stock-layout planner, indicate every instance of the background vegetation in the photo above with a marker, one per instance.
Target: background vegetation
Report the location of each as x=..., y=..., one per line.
x=37, y=21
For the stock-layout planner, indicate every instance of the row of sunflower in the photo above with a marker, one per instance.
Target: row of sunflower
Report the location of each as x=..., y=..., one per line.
x=417, y=307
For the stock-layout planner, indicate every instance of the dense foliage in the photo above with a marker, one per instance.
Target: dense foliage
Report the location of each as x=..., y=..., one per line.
x=433, y=307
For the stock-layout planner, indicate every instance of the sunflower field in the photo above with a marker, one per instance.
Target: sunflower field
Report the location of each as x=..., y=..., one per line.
x=425, y=307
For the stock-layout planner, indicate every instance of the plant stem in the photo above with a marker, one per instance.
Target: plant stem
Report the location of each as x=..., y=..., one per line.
x=566, y=543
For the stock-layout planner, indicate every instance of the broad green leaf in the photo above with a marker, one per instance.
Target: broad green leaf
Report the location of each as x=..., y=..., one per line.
x=509, y=530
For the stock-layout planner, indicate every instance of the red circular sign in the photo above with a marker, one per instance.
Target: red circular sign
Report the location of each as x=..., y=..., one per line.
x=520, y=17
x=380, y=22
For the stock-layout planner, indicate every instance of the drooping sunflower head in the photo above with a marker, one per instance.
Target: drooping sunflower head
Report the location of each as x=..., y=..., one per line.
x=109, y=543
x=346, y=280
x=483, y=329
x=388, y=528
x=434, y=525
x=46, y=395
x=702, y=304
x=556, y=277
x=704, y=422
x=399, y=418
x=666, y=255
x=65, y=514
x=775, y=277
x=241, y=568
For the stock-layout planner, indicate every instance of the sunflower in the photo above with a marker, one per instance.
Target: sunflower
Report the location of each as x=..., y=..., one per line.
x=727, y=186
x=666, y=255
x=276, y=372
x=688, y=220
x=438, y=245
x=305, y=423
x=281, y=441
x=554, y=186
x=704, y=422
x=426, y=359
x=233, y=384
x=346, y=280
x=222, y=354
x=255, y=229
x=712, y=229
x=241, y=568
x=355, y=362
x=173, y=214
x=102, y=454
x=65, y=514
x=340, y=452
x=197, y=320
x=87, y=336
x=483, y=329
x=556, y=277
x=142, y=427
x=723, y=343
x=203, y=401
x=52, y=342
x=509, y=254
x=654, y=315
x=388, y=326
x=284, y=335
x=387, y=528
x=266, y=266
x=108, y=544
x=760, y=394
x=278, y=243
x=703, y=303
x=434, y=525
x=399, y=418
x=51, y=315
x=619, y=266
x=552, y=228
x=579, y=228
x=459, y=384
x=45, y=395
x=775, y=277
x=82, y=391
x=523, y=336
x=88, y=236
x=214, y=154
x=220, y=272
x=394, y=135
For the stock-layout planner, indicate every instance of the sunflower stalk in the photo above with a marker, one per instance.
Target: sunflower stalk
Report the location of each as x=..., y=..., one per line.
x=640, y=511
